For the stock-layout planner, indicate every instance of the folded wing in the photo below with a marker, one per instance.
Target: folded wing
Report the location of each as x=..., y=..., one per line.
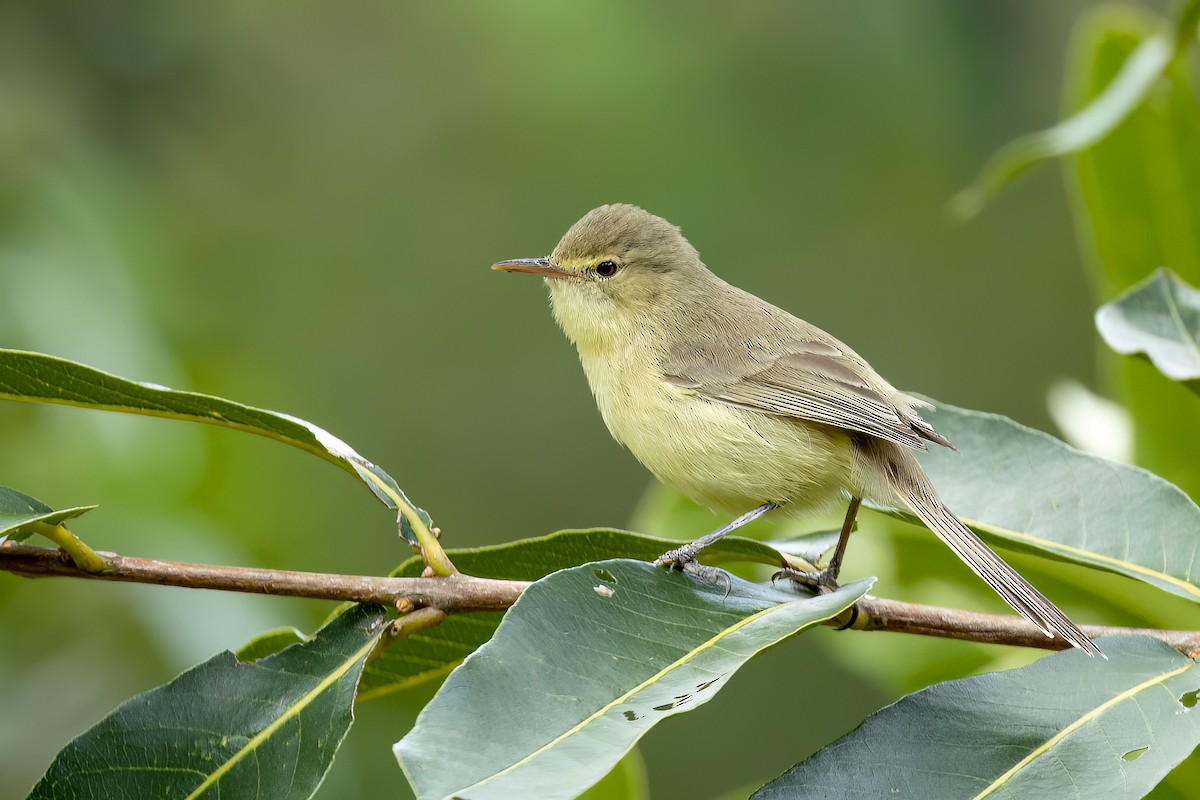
x=811, y=377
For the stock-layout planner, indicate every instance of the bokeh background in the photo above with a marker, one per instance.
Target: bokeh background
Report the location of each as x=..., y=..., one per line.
x=294, y=205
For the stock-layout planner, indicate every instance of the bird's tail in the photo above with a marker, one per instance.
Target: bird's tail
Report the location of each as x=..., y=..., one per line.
x=1006, y=581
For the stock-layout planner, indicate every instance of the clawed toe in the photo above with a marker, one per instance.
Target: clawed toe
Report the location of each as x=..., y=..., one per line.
x=684, y=560
x=708, y=574
x=679, y=558
x=823, y=582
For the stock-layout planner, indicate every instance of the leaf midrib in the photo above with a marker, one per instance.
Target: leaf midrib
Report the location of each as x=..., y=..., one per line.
x=1074, y=726
x=691, y=654
x=1173, y=307
x=1079, y=552
x=292, y=711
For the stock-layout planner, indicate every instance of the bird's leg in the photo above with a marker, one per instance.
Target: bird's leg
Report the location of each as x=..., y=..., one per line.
x=826, y=579
x=839, y=552
x=684, y=558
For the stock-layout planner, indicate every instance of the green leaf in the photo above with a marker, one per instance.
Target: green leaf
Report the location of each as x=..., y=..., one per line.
x=39, y=378
x=431, y=654
x=226, y=728
x=807, y=546
x=268, y=643
x=1066, y=725
x=1028, y=490
x=1137, y=193
x=1090, y=125
x=1107, y=108
x=587, y=661
x=1136, y=202
x=1160, y=319
x=530, y=559
x=18, y=511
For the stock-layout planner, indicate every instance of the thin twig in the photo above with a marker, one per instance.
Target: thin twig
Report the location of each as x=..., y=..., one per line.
x=455, y=593
x=880, y=614
x=461, y=593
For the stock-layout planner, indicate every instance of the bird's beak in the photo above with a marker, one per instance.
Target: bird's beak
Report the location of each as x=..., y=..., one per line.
x=536, y=266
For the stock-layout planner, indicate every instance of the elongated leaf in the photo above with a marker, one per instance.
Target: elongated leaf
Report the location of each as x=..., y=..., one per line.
x=1029, y=490
x=39, y=378
x=1107, y=109
x=18, y=511
x=1136, y=201
x=432, y=653
x=1067, y=725
x=1158, y=318
x=225, y=728
x=1090, y=125
x=530, y=559
x=1137, y=193
x=586, y=662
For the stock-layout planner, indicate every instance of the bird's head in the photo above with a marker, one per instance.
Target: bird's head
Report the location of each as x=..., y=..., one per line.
x=617, y=267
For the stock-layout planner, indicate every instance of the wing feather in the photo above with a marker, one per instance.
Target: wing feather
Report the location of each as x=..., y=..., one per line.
x=808, y=375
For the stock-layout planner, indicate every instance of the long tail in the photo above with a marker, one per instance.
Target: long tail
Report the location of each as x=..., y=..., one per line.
x=1006, y=581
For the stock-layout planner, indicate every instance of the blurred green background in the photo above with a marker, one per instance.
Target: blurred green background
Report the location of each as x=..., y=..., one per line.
x=294, y=205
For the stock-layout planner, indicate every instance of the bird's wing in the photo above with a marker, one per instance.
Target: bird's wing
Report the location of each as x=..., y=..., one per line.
x=805, y=374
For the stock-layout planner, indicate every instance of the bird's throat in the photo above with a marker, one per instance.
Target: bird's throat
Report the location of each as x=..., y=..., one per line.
x=594, y=323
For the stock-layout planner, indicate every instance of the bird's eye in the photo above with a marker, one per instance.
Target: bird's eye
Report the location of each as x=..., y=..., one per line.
x=606, y=269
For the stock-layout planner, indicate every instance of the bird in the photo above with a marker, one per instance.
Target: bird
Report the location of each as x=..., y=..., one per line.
x=742, y=406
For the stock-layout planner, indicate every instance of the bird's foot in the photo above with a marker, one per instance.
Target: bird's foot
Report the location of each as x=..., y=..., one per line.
x=679, y=558
x=822, y=582
x=684, y=559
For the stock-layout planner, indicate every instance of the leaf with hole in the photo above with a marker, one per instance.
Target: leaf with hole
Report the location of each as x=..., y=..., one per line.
x=1066, y=724
x=574, y=677
x=431, y=654
x=226, y=728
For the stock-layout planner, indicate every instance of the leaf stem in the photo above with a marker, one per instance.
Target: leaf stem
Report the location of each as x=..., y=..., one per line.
x=431, y=549
x=408, y=624
x=84, y=557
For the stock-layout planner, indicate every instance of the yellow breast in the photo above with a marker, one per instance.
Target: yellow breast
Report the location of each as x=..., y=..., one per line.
x=720, y=456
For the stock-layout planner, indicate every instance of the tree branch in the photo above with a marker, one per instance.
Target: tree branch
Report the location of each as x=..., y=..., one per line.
x=459, y=593
x=453, y=593
x=880, y=614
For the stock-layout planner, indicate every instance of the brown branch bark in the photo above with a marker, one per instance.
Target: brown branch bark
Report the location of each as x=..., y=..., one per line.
x=460, y=593
x=454, y=593
x=880, y=614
